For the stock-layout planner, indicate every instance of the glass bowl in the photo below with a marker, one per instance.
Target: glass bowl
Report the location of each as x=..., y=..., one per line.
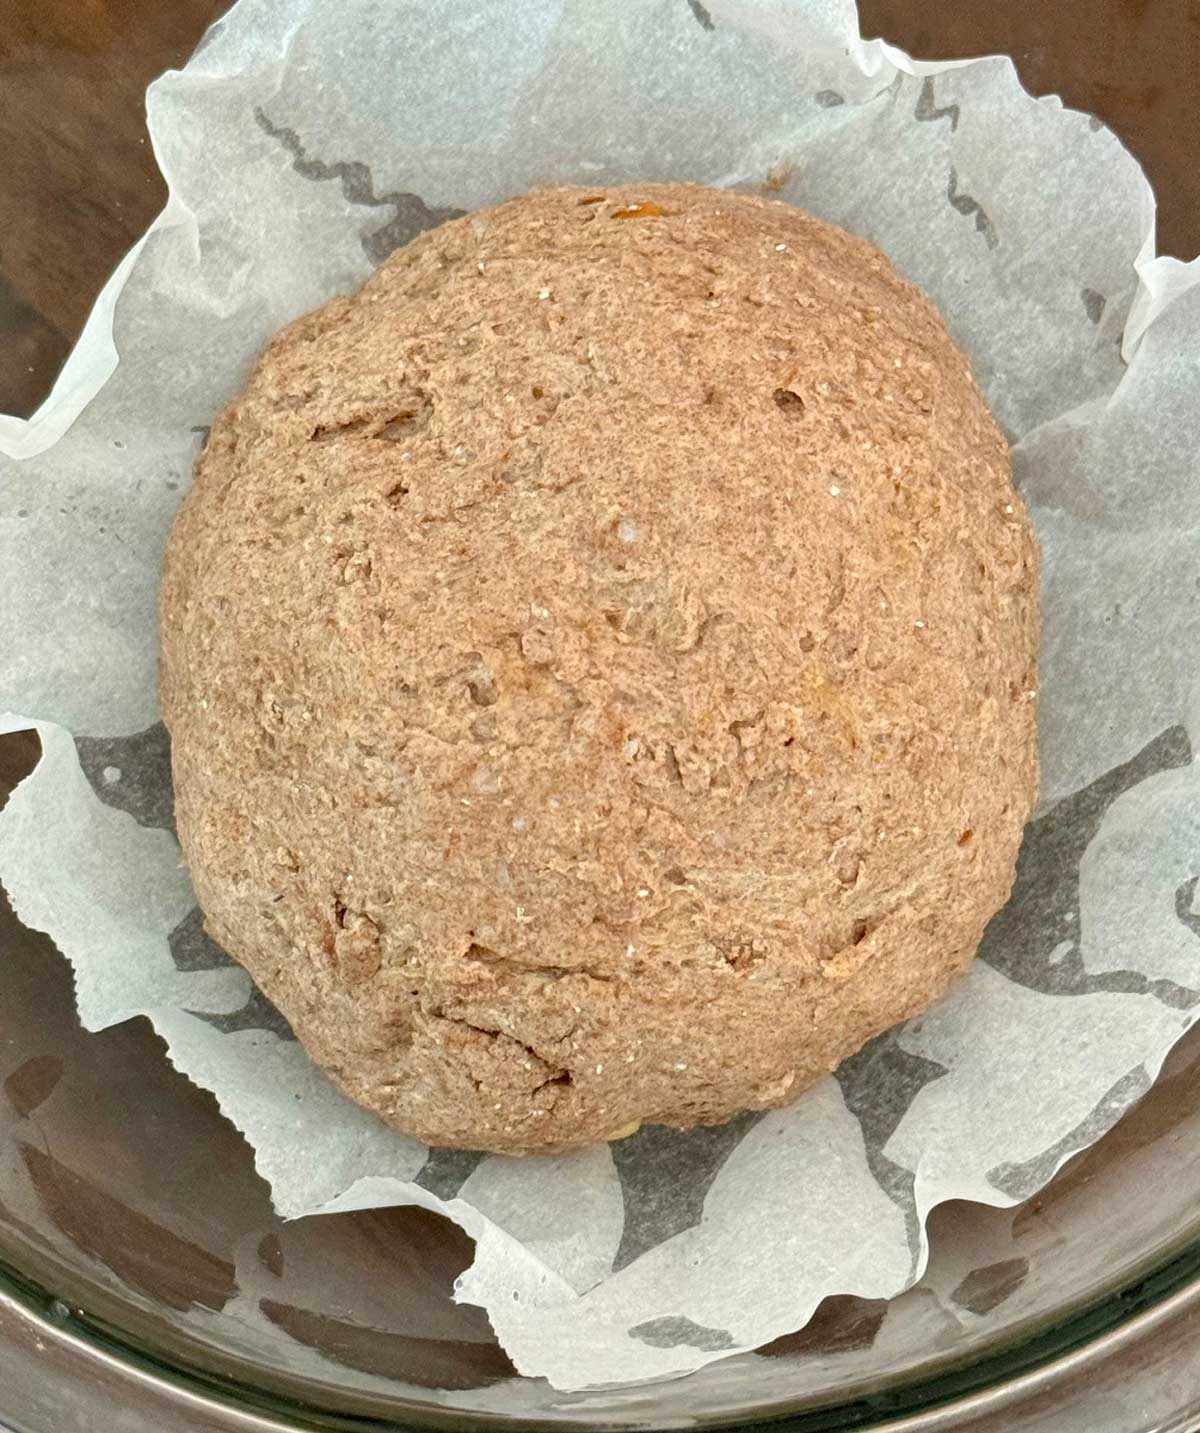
x=135, y=1237
x=146, y=1283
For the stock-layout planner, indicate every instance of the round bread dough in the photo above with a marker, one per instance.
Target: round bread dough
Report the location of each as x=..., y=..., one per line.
x=599, y=656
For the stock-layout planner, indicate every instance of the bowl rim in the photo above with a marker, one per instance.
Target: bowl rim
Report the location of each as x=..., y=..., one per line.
x=1008, y=1380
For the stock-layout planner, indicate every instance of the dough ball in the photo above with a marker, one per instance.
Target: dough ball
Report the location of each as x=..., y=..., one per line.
x=599, y=656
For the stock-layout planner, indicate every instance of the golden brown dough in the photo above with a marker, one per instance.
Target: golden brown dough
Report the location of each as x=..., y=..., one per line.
x=599, y=656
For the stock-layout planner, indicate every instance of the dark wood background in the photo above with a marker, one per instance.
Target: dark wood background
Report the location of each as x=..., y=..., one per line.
x=78, y=183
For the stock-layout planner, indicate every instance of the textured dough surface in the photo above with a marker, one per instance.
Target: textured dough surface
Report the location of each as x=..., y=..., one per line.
x=599, y=656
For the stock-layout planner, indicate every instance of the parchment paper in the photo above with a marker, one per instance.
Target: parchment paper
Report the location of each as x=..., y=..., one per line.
x=301, y=143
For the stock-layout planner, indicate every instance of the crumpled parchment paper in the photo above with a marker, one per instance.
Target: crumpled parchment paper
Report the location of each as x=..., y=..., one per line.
x=301, y=143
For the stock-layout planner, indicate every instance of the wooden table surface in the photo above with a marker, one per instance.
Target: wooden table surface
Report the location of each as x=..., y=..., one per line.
x=78, y=183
